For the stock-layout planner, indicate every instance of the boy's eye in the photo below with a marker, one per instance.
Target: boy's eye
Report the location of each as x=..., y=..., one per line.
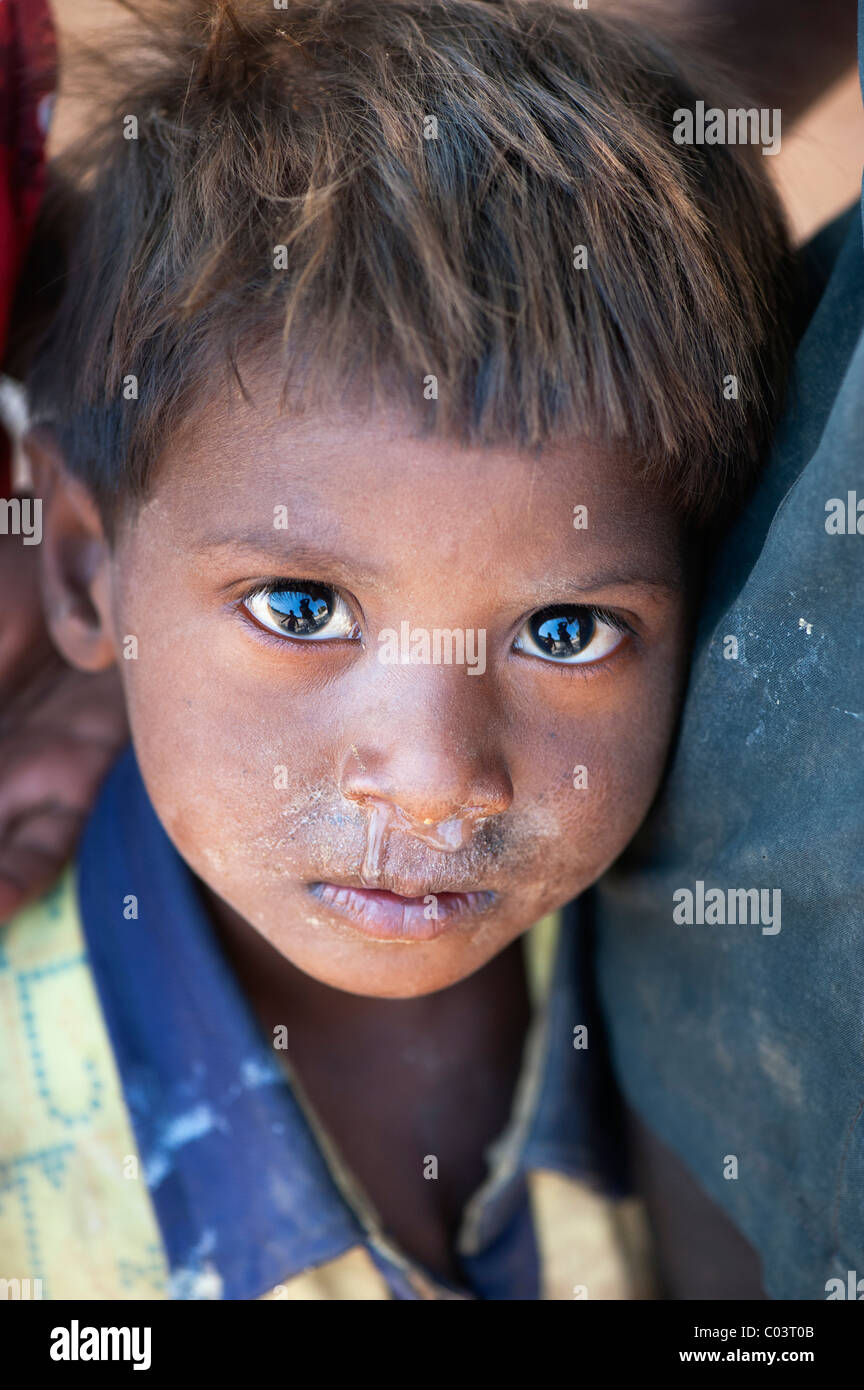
x=301, y=609
x=571, y=635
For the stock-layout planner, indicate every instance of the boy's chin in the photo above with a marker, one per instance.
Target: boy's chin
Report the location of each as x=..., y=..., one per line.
x=366, y=942
x=377, y=943
x=386, y=945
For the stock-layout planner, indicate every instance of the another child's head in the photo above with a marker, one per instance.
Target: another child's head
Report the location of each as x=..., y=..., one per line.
x=403, y=365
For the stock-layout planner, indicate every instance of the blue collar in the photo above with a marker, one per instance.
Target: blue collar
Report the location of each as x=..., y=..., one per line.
x=242, y=1193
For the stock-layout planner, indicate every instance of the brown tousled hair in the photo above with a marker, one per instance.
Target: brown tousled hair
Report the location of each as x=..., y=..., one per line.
x=306, y=127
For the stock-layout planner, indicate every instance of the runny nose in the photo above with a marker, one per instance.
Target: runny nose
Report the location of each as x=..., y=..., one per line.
x=384, y=816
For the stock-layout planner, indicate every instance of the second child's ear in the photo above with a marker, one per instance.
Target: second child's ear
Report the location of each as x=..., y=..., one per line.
x=75, y=569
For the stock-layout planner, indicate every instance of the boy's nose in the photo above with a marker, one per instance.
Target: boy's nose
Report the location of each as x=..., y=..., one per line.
x=430, y=777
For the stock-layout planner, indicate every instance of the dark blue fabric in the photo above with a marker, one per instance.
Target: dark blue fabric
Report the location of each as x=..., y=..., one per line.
x=508, y=1268
x=239, y=1185
x=579, y=1128
x=728, y=1040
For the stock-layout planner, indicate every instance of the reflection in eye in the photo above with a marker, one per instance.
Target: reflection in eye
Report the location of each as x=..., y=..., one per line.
x=302, y=609
x=572, y=635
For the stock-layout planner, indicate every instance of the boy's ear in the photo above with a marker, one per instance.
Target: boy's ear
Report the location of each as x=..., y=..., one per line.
x=75, y=555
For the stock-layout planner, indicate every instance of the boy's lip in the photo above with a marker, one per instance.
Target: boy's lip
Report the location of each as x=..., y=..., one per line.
x=385, y=916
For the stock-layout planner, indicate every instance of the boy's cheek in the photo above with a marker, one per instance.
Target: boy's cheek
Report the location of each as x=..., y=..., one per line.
x=219, y=776
x=600, y=809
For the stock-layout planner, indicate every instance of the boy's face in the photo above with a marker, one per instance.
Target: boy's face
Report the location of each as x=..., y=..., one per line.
x=283, y=763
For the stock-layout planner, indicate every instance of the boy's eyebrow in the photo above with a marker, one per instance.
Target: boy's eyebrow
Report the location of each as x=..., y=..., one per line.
x=299, y=557
x=669, y=581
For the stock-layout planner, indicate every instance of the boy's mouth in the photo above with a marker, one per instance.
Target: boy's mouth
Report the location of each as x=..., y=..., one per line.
x=384, y=916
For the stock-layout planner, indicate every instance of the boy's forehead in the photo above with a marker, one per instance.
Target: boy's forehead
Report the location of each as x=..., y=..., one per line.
x=371, y=486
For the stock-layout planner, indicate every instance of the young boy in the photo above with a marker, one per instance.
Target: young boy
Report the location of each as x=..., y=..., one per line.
x=404, y=367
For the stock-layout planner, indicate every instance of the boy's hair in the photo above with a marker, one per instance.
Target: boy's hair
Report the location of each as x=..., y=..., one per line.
x=415, y=250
